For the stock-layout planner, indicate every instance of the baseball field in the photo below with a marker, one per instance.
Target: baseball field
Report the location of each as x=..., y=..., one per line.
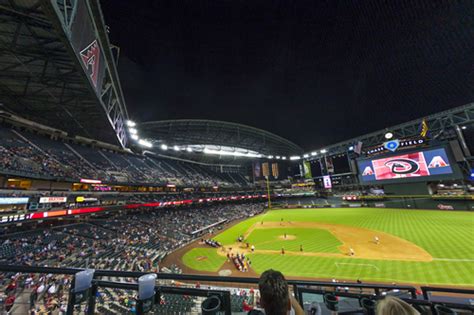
x=414, y=246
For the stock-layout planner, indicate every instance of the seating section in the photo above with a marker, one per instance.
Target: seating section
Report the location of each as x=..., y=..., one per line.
x=136, y=241
x=28, y=154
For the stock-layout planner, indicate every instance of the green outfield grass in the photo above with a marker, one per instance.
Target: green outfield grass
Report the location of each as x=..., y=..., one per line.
x=213, y=261
x=447, y=235
x=313, y=240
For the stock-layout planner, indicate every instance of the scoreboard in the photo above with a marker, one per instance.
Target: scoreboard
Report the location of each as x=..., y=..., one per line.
x=413, y=166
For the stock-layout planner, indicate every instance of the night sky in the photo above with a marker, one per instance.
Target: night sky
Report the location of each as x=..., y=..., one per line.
x=315, y=72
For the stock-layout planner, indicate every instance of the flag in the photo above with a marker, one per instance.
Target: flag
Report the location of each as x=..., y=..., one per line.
x=424, y=129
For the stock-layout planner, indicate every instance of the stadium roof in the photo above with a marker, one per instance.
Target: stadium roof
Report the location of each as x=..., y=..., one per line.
x=42, y=77
x=216, y=133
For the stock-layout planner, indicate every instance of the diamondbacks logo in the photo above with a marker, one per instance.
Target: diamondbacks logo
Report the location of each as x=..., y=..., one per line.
x=402, y=166
x=91, y=58
x=437, y=161
x=368, y=171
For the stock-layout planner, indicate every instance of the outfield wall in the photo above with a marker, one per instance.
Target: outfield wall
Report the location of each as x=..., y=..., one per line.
x=406, y=202
x=422, y=203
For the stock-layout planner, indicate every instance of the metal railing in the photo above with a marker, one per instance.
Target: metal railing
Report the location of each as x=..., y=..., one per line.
x=358, y=291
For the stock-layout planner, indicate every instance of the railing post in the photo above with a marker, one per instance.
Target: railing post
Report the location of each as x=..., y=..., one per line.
x=227, y=303
x=70, y=300
x=92, y=298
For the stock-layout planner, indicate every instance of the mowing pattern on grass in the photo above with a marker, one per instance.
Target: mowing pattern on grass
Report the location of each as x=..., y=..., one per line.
x=447, y=235
x=204, y=259
x=313, y=240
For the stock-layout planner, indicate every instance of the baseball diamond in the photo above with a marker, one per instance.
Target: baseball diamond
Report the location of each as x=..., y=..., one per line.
x=415, y=246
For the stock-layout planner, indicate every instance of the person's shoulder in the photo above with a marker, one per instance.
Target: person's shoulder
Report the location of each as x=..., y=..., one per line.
x=256, y=312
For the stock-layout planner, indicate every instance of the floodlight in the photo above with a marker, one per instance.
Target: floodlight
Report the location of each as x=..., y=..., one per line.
x=351, y=148
x=176, y=148
x=145, y=143
x=463, y=127
x=134, y=137
x=133, y=131
x=324, y=151
x=314, y=153
x=389, y=135
x=131, y=123
x=293, y=158
x=189, y=149
x=164, y=147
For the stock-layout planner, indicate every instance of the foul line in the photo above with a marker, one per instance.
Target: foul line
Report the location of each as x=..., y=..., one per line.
x=452, y=259
x=355, y=264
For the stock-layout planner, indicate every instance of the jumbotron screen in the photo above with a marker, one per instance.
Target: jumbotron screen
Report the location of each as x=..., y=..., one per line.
x=411, y=165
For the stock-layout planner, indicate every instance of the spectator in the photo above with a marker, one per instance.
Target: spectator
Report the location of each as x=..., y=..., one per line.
x=275, y=297
x=391, y=305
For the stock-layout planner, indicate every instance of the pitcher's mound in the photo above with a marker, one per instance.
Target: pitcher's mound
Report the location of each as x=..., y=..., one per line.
x=287, y=238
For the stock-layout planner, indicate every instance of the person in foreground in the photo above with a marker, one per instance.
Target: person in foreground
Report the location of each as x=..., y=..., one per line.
x=275, y=298
x=391, y=305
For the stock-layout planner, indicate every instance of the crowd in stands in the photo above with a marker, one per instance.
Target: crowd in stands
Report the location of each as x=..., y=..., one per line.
x=135, y=241
x=29, y=154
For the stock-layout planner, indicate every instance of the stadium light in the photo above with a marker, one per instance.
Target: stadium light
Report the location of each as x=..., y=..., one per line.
x=189, y=149
x=294, y=158
x=145, y=143
x=278, y=157
x=270, y=156
x=134, y=137
x=283, y=158
x=463, y=127
x=306, y=156
x=388, y=135
x=314, y=153
x=324, y=151
x=133, y=131
x=164, y=147
x=131, y=123
x=351, y=148
x=229, y=153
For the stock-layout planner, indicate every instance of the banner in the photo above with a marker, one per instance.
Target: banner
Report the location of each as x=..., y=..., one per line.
x=87, y=46
x=307, y=170
x=53, y=199
x=275, y=171
x=327, y=182
x=424, y=129
x=329, y=165
x=265, y=169
x=257, y=170
x=85, y=199
x=13, y=200
x=358, y=147
x=90, y=181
